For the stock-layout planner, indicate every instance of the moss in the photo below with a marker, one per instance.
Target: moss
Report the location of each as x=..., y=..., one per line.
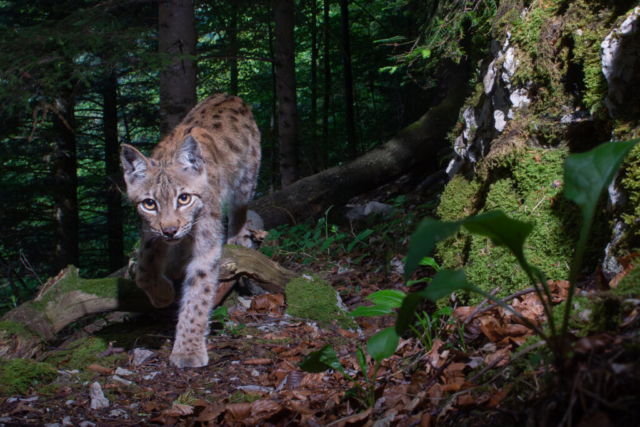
x=10, y=327
x=316, y=300
x=584, y=24
x=629, y=285
x=457, y=199
x=106, y=288
x=83, y=353
x=17, y=375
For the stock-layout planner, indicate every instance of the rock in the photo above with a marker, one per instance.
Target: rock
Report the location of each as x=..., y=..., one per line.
x=98, y=401
x=52, y=425
x=66, y=421
x=620, y=63
x=123, y=372
x=117, y=413
x=70, y=402
x=151, y=375
x=398, y=265
x=519, y=98
x=87, y=424
x=142, y=356
x=489, y=79
x=499, y=120
x=121, y=380
x=374, y=206
x=254, y=221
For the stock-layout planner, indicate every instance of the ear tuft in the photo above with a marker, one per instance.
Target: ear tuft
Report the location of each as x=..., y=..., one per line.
x=134, y=164
x=189, y=154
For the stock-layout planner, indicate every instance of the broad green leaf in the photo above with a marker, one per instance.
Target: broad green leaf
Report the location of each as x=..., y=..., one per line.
x=406, y=312
x=220, y=314
x=587, y=174
x=424, y=240
x=352, y=392
x=446, y=282
x=321, y=360
x=443, y=284
x=389, y=297
x=364, y=234
x=503, y=231
x=413, y=282
x=376, y=310
x=430, y=262
x=362, y=360
x=383, y=344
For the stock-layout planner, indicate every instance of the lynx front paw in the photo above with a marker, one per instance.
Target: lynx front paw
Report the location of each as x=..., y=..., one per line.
x=190, y=359
x=240, y=241
x=160, y=292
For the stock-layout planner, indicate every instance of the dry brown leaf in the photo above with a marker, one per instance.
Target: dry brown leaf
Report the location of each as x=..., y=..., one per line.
x=465, y=400
x=263, y=409
x=347, y=334
x=238, y=411
x=178, y=410
x=593, y=343
x=257, y=361
x=496, y=398
x=311, y=380
x=268, y=303
x=425, y=419
x=211, y=412
x=354, y=418
x=99, y=369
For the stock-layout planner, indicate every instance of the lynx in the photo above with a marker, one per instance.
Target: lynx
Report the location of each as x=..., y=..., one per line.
x=213, y=155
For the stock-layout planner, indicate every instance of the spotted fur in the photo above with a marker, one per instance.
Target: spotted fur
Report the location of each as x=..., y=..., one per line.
x=212, y=156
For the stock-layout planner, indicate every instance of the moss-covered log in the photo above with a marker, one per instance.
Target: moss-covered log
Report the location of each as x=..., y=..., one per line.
x=68, y=297
x=414, y=147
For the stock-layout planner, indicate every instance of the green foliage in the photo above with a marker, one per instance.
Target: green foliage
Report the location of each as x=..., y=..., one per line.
x=315, y=299
x=17, y=375
x=586, y=176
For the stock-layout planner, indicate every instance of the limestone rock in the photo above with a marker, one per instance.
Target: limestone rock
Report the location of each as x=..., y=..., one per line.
x=98, y=401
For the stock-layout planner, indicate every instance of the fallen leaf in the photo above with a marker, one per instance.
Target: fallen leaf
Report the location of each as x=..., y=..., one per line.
x=211, y=413
x=258, y=361
x=99, y=369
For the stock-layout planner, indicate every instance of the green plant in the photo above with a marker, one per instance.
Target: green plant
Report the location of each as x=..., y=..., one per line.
x=380, y=346
x=221, y=315
x=586, y=176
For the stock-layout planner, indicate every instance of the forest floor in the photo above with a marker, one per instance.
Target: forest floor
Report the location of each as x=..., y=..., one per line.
x=466, y=365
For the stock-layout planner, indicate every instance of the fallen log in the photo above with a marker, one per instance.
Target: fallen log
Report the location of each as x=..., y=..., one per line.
x=414, y=147
x=68, y=297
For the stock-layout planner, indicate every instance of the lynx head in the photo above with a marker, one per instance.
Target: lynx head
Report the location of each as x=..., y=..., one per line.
x=168, y=195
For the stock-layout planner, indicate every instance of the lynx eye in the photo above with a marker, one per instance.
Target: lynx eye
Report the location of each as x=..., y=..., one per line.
x=184, y=199
x=149, y=204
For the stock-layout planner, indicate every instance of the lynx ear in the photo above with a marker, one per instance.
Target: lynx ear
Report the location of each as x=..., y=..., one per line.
x=190, y=156
x=134, y=164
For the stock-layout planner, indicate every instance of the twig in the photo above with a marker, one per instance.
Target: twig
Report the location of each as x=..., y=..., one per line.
x=507, y=299
x=27, y=265
x=479, y=307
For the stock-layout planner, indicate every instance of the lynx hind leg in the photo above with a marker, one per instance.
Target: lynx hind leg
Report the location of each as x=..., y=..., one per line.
x=198, y=294
x=238, y=234
x=150, y=272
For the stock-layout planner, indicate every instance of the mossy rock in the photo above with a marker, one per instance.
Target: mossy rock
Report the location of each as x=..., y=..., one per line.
x=526, y=186
x=629, y=286
x=17, y=375
x=315, y=299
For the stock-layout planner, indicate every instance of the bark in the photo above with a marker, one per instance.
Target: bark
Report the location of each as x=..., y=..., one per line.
x=68, y=298
x=65, y=177
x=286, y=91
x=327, y=86
x=177, y=40
x=414, y=147
x=115, y=236
x=352, y=147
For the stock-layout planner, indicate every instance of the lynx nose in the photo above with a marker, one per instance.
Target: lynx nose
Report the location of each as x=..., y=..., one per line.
x=169, y=232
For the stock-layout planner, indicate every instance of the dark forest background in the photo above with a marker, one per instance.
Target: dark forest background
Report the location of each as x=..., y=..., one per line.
x=79, y=78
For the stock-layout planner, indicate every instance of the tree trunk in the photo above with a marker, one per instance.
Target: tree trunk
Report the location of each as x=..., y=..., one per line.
x=352, y=147
x=286, y=91
x=65, y=177
x=176, y=39
x=314, y=74
x=414, y=147
x=67, y=298
x=115, y=236
x=233, y=44
x=327, y=86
